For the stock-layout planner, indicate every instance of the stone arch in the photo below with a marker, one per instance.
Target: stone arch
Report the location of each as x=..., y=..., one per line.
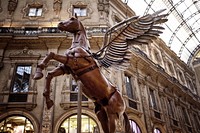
x=160, y=127
x=138, y=121
x=73, y=111
x=24, y=113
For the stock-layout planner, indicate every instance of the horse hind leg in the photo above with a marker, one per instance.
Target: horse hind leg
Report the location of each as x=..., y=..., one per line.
x=46, y=94
x=115, y=110
x=102, y=116
x=42, y=65
x=56, y=72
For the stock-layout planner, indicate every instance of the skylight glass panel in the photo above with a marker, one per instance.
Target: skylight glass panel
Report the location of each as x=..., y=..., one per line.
x=182, y=34
x=181, y=7
x=198, y=35
x=151, y=11
x=185, y=55
x=176, y=45
x=191, y=21
x=192, y=9
x=186, y=14
x=186, y=11
x=166, y=35
x=137, y=6
x=196, y=24
x=173, y=24
x=184, y=58
x=159, y=5
x=188, y=2
x=191, y=45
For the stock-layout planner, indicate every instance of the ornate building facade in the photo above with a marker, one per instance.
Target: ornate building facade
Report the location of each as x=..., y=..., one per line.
x=161, y=92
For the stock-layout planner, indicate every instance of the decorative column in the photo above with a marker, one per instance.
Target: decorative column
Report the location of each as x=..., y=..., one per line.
x=47, y=120
x=145, y=106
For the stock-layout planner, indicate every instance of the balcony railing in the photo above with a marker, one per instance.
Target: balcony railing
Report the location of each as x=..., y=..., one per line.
x=18, y=97
x=162, y=70
x=34, y=31
x=74, y=97
x=21, y=100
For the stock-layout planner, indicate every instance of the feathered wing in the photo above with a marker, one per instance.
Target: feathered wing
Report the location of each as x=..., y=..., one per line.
x=139, y=30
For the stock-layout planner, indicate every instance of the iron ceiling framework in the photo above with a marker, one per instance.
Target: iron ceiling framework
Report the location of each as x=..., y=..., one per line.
x=182, y=29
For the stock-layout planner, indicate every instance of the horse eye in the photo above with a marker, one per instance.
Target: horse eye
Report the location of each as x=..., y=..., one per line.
x=72, y=18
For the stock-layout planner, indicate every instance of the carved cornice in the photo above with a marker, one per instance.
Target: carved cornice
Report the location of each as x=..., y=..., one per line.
x=123, y=7
x=173, y=55
x=24, y=54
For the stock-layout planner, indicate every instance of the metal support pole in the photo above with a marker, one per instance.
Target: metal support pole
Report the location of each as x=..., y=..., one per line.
x=79, y=107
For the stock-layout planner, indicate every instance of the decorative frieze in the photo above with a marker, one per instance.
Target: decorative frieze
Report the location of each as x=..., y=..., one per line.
x=24, y=54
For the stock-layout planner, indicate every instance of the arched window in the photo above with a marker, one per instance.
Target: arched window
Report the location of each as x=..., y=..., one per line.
x=171, y=70
x=16, y=124
x=134, y=125
x=88, y=125
x=181, y=76
x=156, y=130
x=157, y=56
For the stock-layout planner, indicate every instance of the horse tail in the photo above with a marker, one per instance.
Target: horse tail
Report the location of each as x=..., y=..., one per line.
x=128, y=127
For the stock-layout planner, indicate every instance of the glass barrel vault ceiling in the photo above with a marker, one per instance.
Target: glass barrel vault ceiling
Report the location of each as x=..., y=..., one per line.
x=181, y=32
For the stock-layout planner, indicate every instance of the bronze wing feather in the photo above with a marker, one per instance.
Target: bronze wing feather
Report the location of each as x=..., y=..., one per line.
x=139, y=30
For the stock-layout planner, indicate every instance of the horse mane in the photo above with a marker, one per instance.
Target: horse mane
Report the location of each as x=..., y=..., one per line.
x=82, y=27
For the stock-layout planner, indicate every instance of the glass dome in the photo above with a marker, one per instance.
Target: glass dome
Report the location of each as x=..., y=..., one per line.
x=181, y=32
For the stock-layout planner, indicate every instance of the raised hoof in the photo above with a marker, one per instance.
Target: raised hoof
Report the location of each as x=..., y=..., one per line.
x=49, y=104
x=38, y=74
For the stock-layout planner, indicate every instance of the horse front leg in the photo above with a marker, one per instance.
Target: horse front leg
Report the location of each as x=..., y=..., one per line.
x=56, y=72
x=42, y=65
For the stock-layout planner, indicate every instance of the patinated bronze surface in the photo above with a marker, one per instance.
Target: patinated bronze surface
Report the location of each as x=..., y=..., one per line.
x=81, y=64
x=78, y=61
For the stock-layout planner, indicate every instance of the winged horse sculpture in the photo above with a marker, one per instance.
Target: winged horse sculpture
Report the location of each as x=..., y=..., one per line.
x=82, y=64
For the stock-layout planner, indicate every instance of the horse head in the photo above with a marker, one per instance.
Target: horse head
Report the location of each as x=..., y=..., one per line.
x=71, y=25
x=74, y=26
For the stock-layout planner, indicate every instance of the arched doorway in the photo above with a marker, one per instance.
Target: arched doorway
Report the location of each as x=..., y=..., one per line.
x=135, y=126
x=16, y=124
x=69, y=125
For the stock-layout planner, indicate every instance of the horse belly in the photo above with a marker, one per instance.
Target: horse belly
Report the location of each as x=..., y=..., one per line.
x=95, y=85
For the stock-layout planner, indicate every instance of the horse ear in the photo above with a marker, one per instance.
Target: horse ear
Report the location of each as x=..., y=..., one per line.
x=76, y=15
